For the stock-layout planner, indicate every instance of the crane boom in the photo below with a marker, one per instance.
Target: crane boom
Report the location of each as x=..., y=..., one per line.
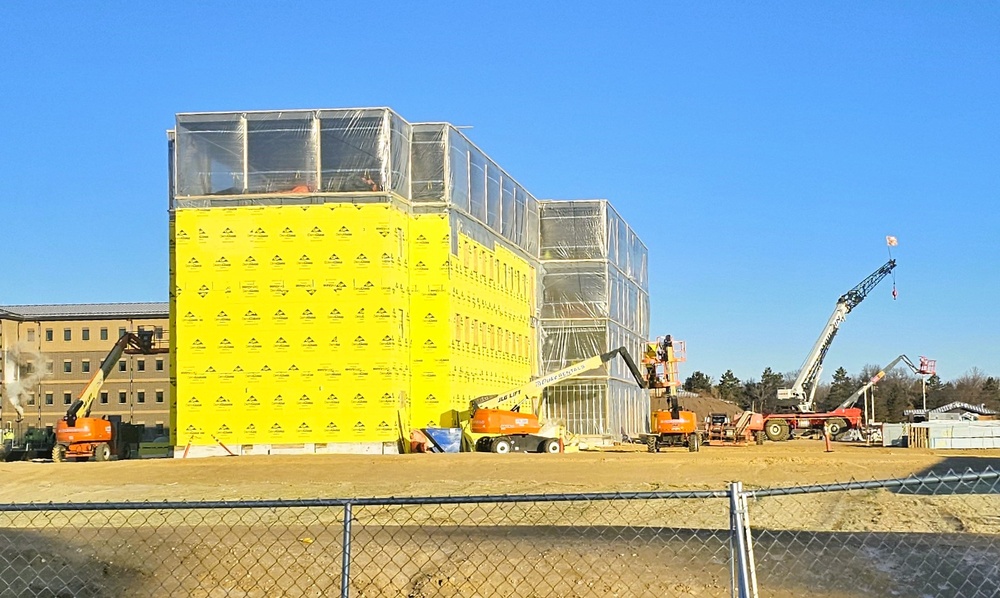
x=851, y=400
x=801, y=396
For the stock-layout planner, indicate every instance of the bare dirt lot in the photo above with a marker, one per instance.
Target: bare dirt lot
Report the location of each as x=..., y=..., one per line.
x=872, y=542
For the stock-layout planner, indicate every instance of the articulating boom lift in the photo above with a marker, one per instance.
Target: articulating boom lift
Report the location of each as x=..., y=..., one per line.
x=510, y=430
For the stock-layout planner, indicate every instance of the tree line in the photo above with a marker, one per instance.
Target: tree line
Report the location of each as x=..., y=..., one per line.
x=898, y=391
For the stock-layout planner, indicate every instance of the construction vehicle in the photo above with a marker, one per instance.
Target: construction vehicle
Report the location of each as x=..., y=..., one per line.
x=795, y=404
x=78, y=436
x=721, y=430
x=506, y=428
x=23, y=445
x=837, y=427
x=673, y=427
x=20, y=440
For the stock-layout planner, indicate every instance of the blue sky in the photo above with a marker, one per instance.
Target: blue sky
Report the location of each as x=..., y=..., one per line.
x=761, y=150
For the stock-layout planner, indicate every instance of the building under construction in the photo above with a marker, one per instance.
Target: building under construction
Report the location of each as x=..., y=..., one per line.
x=338, y=276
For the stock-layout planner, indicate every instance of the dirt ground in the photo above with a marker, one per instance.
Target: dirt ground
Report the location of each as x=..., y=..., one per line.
x=625, y=468
x=893, y=543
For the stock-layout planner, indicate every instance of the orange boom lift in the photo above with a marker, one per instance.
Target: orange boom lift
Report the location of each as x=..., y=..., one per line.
x=80, y=436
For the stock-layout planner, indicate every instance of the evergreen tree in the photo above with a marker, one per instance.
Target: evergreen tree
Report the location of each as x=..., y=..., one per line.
x=728, y=388
x=843, y=386
x=698, y=382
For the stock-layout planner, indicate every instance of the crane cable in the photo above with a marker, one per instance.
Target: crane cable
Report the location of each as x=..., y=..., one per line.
x=890, y=242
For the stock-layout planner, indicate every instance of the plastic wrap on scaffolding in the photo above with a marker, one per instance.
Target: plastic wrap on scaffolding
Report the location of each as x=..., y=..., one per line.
x=595, y=299
x=292, y=152
x=450, y=169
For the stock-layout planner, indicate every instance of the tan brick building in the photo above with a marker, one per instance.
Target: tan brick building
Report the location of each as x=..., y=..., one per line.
x=48, y=354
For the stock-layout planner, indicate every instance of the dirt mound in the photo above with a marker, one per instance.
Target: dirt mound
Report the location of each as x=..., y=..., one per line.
x=701, y=405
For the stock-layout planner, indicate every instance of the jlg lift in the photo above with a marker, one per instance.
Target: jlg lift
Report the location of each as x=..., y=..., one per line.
x=507, y=429
x=80, y=436
x=674, y=427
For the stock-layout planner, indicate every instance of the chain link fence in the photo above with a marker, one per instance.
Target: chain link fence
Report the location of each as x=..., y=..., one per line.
x=930, y=536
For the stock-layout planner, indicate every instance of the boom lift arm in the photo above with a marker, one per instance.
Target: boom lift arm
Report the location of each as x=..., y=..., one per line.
x=531, y=391
x=130, y=342
x=851, y=400
x=801, y=396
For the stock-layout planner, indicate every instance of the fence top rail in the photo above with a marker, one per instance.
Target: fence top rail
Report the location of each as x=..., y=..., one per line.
x=986, y=475
x=341, y=502
x=935, y=479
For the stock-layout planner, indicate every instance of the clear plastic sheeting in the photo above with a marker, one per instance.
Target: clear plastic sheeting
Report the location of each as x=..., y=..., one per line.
x=595, y=298
x=294, y=151
x=450, y=169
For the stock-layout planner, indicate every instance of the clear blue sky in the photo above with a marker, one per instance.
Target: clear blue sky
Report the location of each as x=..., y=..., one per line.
x=762, y=150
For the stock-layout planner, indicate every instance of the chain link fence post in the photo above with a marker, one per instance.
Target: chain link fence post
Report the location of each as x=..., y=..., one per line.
x=744, y=579
x=345, y=564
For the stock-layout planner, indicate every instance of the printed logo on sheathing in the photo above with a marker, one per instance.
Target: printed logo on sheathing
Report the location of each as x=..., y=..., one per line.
x=250, y=431
x=249, y=288
x=280, y=316
x=197, y=346
x=287, y=234
x=227, y=235
x=388, y=342
x=278, y=402
x=280, y=375
x=334, y=260
x=315, y=233
x=193, y=404
x=305, y=402
x=190, y=318
x=257, y=234
x=305, y=262
x=253, y=345
x=250, y=263
x=226, y=376
x=222, y=264
x=277, y=262
x=334, y=374
x=382, y=230
x=203, y=291
x=224, y=431
x=362, y=261
x=307, y=315
x=334, y=343
x=387, y=400
x=223, y=403
x=421, y=240
x=194, y=431
x=276, y=430
x=304, y=430
x=251, y=317
x=332, y=428
x=387, y=260
x=381, y=315
x=339, y=286
x=222, y=318
x=431, y=399
x=360, y=315
x=358, y=428
x=225, y=346
x=332, y=400
x=308, y=344
x=182, y=236
x=281, y=344
x=359, y=400
x=344, y=232
x=251, y=403
x=202, y=235
x=360, y=342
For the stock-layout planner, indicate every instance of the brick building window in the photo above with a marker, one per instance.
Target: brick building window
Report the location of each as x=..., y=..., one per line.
x=85, y=334
x=67, y=334
x=104, y=334
x=48, y=398
x=104, y=397
x=140, y=365
x=140, y=396
x=48, y=334
x=67, y=366
x=67, y=398
x=159, y=396
x=121, y=366
x=121, y=397
x=85, y=366
x=159, y=365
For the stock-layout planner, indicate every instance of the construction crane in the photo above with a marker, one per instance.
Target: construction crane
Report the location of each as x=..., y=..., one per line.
x=795, y=404
x=506, y=428
x=801, y=396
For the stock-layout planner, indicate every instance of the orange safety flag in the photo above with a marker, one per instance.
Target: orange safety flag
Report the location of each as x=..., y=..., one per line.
x=891, y=241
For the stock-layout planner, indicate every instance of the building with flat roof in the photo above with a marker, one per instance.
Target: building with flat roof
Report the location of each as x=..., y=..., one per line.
x=51, y=352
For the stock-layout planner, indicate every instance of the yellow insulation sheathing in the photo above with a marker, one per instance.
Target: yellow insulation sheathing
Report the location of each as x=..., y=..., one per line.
x=320, y=323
